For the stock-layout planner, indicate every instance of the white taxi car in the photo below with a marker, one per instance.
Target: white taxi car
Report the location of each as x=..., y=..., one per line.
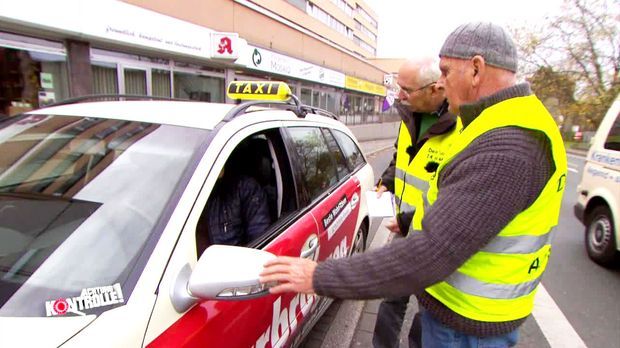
x=103, y=219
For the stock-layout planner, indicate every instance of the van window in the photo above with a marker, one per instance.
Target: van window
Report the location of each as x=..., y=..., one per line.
x=613, y=138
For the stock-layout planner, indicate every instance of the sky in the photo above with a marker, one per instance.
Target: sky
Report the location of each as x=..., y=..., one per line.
x=413, y=28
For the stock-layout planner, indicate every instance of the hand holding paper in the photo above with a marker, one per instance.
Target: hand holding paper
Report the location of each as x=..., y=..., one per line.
x=382, y=206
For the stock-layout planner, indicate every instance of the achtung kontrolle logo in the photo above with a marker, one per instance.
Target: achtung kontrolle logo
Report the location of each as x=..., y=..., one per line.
x=89, y=298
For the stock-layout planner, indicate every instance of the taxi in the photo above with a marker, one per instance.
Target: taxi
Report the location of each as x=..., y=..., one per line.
x=104, y=231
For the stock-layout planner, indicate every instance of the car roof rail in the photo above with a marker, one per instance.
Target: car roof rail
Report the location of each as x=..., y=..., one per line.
x=293, y=104
x=106, y=97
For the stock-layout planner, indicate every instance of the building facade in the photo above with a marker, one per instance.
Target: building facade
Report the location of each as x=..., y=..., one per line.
x=190, y=49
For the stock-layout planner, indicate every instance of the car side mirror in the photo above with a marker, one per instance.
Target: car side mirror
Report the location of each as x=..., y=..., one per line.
x=223, y=272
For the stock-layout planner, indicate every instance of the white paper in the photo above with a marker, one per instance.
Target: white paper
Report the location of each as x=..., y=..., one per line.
x=382, y=206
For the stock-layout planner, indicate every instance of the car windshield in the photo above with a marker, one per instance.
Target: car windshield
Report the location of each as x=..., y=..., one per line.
x=79, y=198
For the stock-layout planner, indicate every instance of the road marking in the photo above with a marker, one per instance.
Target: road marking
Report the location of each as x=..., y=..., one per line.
x=573, y=170
x=553, y=323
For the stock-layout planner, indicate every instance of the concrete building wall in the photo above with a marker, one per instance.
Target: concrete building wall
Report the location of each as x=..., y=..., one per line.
x=262, y=31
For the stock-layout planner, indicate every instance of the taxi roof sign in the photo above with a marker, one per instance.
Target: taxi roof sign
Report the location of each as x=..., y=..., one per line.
x=259, y=90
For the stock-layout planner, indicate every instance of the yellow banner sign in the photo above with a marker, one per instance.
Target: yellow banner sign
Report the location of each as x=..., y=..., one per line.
x=356, y=84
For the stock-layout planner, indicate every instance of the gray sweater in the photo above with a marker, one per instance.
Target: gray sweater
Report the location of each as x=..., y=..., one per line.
x=496, y=177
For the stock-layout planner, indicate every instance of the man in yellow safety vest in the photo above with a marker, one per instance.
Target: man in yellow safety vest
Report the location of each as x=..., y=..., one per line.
x=491, y=208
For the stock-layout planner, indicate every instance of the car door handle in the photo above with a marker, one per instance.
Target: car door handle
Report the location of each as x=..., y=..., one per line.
x=313, y=245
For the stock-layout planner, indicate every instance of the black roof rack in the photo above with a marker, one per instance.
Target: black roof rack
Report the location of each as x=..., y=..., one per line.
x=106, y=97
x=293, y=104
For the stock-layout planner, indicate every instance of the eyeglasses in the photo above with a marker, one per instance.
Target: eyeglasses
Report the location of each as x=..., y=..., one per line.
x=407, y=92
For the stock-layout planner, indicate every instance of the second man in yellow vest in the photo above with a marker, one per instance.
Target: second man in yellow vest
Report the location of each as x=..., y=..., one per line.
x=423, y=138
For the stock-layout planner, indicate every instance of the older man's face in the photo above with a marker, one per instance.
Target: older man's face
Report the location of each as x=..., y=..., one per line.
x=412, y=93
x=456, y=80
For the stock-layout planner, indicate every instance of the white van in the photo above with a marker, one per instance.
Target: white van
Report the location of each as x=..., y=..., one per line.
x=598, y=202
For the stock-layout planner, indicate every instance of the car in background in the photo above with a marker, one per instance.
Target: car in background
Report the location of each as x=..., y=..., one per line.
x=598, y=201
x=103, y=231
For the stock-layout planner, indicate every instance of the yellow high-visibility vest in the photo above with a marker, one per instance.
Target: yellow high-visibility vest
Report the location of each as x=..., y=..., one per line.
x=411, y=181
x=499, y=282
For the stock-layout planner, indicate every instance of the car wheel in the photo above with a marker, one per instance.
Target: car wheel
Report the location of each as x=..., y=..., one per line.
x=359, y=243
x=600, y=239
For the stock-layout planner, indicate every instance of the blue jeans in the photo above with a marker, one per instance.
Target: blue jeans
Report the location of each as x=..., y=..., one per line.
x=437, y=335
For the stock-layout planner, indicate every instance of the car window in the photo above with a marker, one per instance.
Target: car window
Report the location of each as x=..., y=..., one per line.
x=317, y=164
x=341, y=163
x=259, y=167
x=79, y=197
x=350, y=149
x=612, y=142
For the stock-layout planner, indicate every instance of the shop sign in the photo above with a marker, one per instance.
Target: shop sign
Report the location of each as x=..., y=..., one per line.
x=136, y=26
x=364, y=86
x=226, y=45
x=272, y=62
x=47, y=80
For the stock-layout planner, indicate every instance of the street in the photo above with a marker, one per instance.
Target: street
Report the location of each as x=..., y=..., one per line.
x=581, y=309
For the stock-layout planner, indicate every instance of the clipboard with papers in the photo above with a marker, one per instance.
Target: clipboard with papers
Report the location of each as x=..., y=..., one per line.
x=382, y=206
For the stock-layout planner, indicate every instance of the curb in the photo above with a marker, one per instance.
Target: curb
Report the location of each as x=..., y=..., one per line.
x=368, y=153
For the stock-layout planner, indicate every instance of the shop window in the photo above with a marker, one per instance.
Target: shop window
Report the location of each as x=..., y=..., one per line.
x=331, y=103
x=306, y=96
x=30, y=79
x=323, y=100
x=197, y=87
x=105, y=79
x=135, y=81
x=315, y=99
x=161, y=83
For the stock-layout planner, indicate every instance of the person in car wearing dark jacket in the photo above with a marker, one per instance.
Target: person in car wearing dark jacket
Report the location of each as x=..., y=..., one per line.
x=238, y=210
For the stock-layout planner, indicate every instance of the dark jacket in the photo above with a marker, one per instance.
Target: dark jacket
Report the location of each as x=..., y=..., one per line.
x=445, y=122
x=238, y=211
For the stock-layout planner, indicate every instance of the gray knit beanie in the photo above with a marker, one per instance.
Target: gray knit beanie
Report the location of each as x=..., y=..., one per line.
x=485, y=39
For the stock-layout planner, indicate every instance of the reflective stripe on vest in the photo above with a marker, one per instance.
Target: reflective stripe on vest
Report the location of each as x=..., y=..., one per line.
x=473, y=286
x=498, y=283
x=518, y=244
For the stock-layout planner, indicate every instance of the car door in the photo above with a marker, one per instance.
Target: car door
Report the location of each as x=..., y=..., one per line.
x=268, y=321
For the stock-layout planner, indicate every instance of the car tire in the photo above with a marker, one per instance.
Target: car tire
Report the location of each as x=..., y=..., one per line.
x=600, y=239
x=359, y=242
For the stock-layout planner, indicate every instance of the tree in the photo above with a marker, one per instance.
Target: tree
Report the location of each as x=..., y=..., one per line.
x=578, y=53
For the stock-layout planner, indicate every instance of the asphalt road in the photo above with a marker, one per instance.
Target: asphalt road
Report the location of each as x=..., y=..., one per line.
x=582, y=308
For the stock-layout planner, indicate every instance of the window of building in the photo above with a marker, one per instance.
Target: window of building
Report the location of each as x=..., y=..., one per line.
x=198, y=87
x=327, y=19
x=105, y=78
x=364, y=45
x=306, y=96
x=160, y=80
x=30, y=79
x=366, y=16
x=135, y=81
x=342, y=4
